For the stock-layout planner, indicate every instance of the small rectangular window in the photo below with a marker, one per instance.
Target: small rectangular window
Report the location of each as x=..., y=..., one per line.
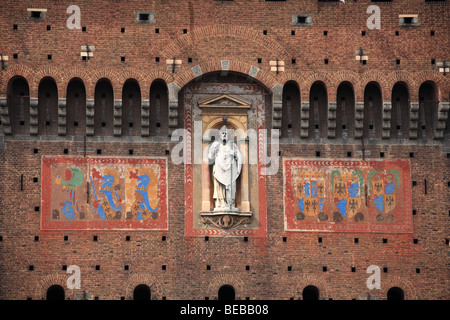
x=146, y=17
x=409, y=20
x=301, y=19
x=36, y=14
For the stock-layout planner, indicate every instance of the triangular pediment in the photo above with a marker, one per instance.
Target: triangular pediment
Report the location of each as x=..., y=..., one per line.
x=224, y=101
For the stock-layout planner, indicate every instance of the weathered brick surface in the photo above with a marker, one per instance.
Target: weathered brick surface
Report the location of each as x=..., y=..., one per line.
x=216, y=31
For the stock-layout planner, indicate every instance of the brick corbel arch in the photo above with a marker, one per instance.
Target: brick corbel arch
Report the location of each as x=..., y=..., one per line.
x=305, y=85
x=442, y=83
x=221, y=279
x=48, y=72
x=110, y=74
x=401, y=282
x=40, y=291
x=15, y=70
x=186, y=75
x=144, y=79
x=301, y=282
x=400, y=76
x=147, y=279
x=337, y=78
x=374, y=76
x=74, y=73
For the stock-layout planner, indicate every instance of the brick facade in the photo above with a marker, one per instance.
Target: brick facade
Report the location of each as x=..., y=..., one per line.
x=394, y=106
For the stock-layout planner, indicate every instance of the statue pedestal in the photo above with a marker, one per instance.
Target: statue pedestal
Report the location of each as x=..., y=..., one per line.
x=225, y=209
x=226, y=218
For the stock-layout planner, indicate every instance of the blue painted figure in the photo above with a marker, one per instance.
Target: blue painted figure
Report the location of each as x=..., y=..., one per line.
x=342, y=206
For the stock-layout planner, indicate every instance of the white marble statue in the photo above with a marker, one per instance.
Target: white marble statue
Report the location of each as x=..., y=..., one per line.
x=226, y=169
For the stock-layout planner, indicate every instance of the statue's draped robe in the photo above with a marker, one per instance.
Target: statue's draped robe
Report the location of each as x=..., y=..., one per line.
x=226, y=169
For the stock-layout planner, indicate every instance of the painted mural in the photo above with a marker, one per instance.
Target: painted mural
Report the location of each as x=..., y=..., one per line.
x=342, y=195
x=104, y=193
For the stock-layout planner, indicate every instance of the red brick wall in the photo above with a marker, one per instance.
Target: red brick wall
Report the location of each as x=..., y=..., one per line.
x=232, y=30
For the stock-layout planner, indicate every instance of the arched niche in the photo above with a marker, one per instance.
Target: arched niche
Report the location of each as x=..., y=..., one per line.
x=47, y=107
x=373, y=104
x=131, y=108
x=345, y=111
x=400, y=111
x=290, y=121
x=103, y=108
x=230, y=112
x=19, y=105
x=428, y=106
x=76, y=107
x=318, y=110
x=159, y=109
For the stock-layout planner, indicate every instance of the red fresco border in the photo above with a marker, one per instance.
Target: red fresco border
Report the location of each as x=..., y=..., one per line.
x=404, y=226
x=46, y=193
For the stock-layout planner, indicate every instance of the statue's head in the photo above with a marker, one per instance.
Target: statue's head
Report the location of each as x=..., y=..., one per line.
x=224, y=133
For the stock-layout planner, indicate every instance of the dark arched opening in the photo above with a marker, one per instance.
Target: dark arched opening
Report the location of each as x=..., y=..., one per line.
x=48, y=107
x=55, y=292
x=290, y=113
x=76, y=107
x=131, y=108
x=19, y=105
x=159, y=109
x=395, y=293
x=428, y=106
x=318, y=110
x=373, y=109
x=104, y=108
x=310, y=293
x=141, y=292
x=400, y=111
x=345, y=111
x=226, y=292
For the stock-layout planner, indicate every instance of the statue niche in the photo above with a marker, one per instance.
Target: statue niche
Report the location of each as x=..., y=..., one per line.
x=225, y=202
x=227, y=163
